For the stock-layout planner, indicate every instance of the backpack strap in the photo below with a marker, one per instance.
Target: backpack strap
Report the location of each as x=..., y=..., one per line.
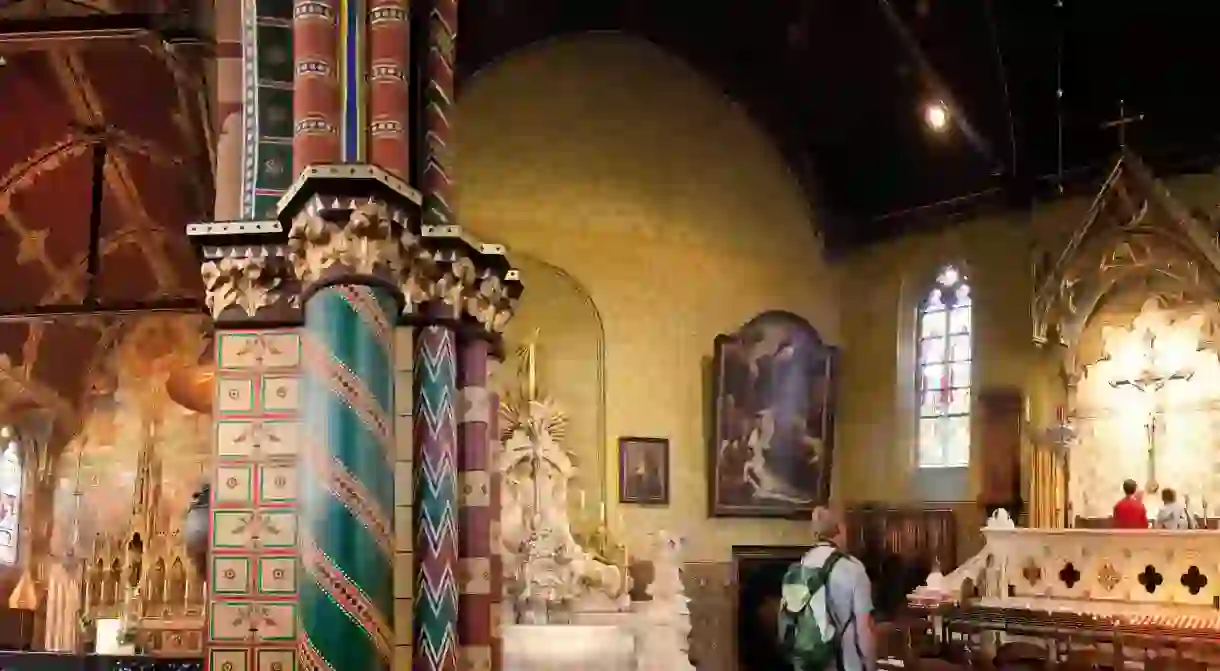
x=841, y=628
x=827, y=567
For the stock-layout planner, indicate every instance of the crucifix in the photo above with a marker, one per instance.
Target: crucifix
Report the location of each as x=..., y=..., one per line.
x=1152, y=380
x=1121, y=123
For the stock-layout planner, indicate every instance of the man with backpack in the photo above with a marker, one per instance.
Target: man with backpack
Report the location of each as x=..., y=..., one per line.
x=826, y=609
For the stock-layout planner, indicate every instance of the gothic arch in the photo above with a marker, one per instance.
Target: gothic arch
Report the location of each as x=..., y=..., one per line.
x=1136, y=236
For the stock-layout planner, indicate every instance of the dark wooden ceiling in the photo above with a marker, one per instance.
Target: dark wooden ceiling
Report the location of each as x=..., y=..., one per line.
x=110, y=164
x=841, y=83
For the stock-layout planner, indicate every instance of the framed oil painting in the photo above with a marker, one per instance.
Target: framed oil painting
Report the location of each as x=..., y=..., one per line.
x=643, y=471
x=773, y=433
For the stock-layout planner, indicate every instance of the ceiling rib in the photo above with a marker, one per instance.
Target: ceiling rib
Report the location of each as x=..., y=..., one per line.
x=86, y=106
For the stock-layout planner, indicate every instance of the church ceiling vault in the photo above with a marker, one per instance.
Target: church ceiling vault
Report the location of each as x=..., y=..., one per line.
x=1135, y=238
x=111, y=164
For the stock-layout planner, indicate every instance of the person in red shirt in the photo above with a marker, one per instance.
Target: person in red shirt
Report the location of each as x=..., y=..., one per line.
x=1129, y=512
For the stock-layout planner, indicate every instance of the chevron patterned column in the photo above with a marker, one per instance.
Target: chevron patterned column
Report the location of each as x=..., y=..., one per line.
x=436, y=502
x=476, y=600
x=315, y=86
x=347, y=489
x=438, y=103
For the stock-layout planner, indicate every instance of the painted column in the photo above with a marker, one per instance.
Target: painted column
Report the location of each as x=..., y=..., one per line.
x=315, y=98
x=436, y=502
x=347, y=492
x=438, y=104
x=389, y=91
x=478, y=590
x=495, y=447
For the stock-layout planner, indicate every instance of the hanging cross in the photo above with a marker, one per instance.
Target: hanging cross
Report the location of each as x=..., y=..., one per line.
x=1121, y=123
x=1149, y=380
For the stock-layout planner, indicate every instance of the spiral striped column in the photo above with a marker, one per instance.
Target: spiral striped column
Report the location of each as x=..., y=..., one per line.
x=389, y=85
x=346, y=540
x=315, y=87
x=438, y=106
x=436, y=501
x=476, y=599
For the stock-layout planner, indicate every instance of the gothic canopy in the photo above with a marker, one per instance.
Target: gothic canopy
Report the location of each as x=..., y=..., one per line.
x=1136, y=237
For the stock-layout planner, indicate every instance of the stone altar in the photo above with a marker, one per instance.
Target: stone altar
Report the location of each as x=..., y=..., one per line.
x=1162, y=578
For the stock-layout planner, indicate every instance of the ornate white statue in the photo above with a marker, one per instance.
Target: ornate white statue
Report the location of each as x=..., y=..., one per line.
x=664, y=627
x=546, y=569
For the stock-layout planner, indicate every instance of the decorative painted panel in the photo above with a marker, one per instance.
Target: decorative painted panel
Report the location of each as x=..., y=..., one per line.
x=227, y=659
x=252, y=614
x=267, y=105
x=404, y=537
x=256, y=439
x=260, y=350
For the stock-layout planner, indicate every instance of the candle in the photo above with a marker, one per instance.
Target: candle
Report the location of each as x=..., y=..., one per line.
x=582, y=500
x=602, y=517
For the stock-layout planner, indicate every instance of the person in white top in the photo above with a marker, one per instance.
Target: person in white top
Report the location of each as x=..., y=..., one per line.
x=1173, y=513
x=850, y=598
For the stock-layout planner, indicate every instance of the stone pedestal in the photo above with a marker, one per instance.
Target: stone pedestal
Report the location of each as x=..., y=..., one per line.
x=567, y=647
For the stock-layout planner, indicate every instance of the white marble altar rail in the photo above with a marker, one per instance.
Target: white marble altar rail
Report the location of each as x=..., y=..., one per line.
x=1170, y=568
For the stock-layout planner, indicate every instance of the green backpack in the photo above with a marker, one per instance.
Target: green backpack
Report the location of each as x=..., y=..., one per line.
x=801, y=639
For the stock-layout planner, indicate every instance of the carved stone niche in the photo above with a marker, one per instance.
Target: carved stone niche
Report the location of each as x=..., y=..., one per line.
x=1135, y=240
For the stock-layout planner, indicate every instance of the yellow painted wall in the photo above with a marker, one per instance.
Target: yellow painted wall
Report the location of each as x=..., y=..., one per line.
x=607, y=157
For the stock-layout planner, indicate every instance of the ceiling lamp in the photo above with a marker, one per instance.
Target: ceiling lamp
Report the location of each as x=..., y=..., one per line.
x=191, y=386
x=936, y=115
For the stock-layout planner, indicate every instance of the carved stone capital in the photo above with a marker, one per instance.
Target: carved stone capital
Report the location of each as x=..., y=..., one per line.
x=254, y=287
x=452, y=275
x=352, y=224
x=246, y=274
x=334, y=239
x=345, y=224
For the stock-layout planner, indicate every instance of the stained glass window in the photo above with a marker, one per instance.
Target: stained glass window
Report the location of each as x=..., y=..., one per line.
x=10, y=502
x=943, y=376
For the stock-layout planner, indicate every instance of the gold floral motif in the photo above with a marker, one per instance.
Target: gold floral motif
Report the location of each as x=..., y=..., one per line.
x=490, y=303
x=417, y=277
x=244, y=282
x=1108, y=577
x=1032, y=572
x=363, y=243
x=456, y=281
x=367, y=238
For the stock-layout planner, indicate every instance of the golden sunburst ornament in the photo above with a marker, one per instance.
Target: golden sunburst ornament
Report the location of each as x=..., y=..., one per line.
x=528, y=408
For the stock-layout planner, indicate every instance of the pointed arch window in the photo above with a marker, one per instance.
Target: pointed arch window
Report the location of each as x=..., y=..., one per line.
x=10, y=501
x=944, y=372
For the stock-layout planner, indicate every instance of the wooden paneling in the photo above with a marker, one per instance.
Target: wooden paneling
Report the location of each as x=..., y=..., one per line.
x=1000, y=447
x=899, y=547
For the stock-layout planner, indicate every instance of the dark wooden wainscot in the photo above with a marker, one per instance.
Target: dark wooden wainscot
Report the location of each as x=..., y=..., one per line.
x=900, y=547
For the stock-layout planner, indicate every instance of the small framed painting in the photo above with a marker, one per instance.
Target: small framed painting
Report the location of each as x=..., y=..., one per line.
x=643, y=471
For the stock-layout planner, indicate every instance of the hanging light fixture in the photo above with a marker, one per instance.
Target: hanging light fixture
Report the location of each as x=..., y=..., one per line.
x=191, y=386
x=936, y=116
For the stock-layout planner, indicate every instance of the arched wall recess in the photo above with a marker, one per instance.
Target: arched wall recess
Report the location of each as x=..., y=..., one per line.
x=571, y=359
x=1135, y=235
